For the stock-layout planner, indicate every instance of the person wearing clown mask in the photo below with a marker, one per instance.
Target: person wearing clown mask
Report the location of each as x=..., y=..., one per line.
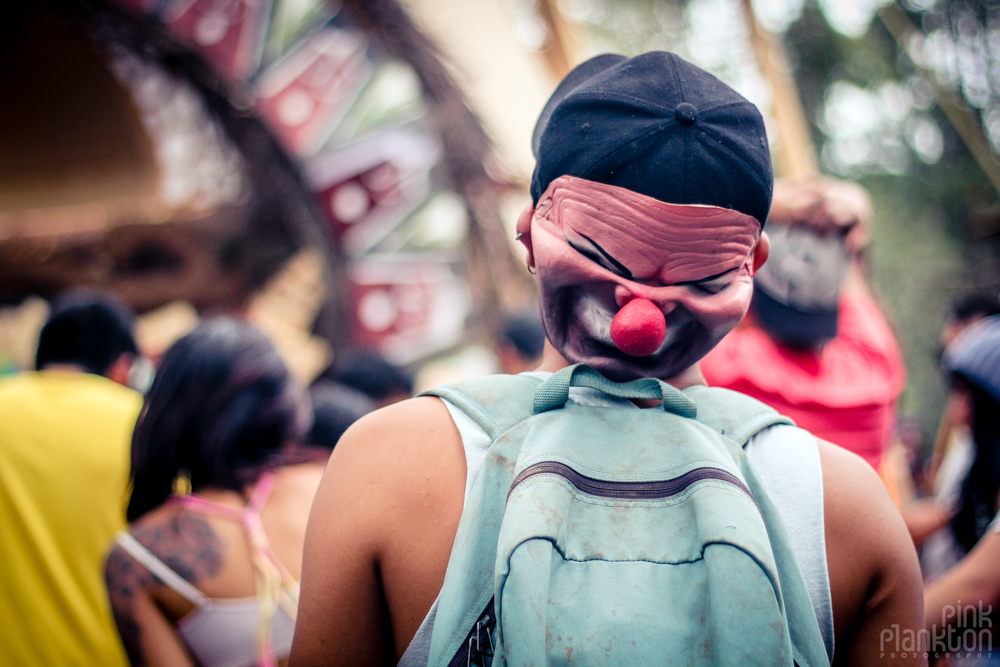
x=649, y=196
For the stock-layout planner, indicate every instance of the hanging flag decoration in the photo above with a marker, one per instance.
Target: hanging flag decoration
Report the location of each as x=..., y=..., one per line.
x=229, y=33
x=408, y=307
x=356, y=124
x=367, y=189
x=307, y=92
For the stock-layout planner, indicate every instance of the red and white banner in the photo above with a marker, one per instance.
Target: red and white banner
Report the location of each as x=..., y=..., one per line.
x=367, y=189
x=408, y=307
x=230, y=33
x=305, y=94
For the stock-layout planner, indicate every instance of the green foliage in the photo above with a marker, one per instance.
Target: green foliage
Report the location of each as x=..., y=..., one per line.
x=923, y=252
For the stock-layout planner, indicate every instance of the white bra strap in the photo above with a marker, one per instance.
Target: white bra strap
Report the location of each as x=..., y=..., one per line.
x=159, y=569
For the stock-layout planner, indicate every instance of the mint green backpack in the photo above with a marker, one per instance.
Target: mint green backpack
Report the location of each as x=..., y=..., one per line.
x=611, y=536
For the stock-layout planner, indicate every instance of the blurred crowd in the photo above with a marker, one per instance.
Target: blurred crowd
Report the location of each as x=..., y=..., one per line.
x=114, y=502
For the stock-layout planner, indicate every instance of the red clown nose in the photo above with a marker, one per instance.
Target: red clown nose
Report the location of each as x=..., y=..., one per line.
x=639, y=328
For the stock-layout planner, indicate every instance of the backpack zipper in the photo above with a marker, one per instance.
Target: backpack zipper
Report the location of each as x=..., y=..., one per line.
x=628, y=490
x=475, y=650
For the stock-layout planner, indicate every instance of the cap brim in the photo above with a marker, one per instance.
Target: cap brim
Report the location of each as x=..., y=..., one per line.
x=790, y=324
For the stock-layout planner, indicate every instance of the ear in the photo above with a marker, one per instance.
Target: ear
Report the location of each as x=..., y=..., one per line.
x=761, y=251
x=523, y=229
x=119, y=369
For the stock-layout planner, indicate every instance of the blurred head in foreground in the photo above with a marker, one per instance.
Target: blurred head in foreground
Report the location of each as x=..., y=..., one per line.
x=815, y=226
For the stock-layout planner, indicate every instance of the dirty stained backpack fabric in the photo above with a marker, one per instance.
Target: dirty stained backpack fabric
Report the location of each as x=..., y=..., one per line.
x=603, y=536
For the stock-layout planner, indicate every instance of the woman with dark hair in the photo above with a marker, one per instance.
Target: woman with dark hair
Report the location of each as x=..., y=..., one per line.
x=977, y=500
x=973, y=360
x=207, y=572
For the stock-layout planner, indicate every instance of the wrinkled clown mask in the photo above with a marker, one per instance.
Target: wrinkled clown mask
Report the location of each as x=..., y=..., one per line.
x=598, y=248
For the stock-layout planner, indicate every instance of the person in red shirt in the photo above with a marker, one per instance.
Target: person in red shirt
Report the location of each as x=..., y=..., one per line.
x=814, y=345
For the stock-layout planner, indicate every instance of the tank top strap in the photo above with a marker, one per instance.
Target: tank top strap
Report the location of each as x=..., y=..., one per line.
x=261, y=493
x=251, y=515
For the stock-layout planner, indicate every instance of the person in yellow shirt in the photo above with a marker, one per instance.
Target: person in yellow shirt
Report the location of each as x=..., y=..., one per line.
x=65, y=431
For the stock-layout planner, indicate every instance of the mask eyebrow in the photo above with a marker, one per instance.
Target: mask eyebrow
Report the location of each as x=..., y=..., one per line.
x=705, y=280
x=621, y=268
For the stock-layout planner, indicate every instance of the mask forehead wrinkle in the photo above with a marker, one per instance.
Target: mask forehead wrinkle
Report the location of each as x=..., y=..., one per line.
x=653, y=239
x=688, y=267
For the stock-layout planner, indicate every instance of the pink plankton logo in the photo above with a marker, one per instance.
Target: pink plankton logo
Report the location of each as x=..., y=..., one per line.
x=965, y=631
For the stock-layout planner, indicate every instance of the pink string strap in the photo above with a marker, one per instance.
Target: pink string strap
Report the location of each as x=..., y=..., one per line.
x=270, y=573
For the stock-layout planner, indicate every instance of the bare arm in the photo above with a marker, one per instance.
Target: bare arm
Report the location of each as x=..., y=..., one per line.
x=380, y=535
x=149, y=638
x=975, y=580
x=924, y=517
x=828, y=205
x=874, y=574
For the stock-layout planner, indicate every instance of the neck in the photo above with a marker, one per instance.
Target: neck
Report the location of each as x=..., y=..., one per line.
x=553, y=361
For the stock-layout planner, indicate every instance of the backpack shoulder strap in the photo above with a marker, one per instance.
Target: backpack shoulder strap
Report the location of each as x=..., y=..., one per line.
x=739, y=418
x=734, y=415
x=496, y=402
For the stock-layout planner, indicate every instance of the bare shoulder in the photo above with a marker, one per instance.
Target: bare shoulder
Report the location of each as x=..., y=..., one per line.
x=400, y=453
x=400, y=471
x=874, y=574
x=859, y=511
x=144, y=609
x=855, y=499
x=380, y=535
x=405, y=429
x=186, y=542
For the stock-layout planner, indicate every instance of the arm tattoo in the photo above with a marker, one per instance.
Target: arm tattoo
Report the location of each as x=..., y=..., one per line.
x=186, y=543
x=124, y=578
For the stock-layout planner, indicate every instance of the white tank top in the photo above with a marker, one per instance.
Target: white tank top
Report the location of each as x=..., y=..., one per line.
x=786, y=460
x=219, y=632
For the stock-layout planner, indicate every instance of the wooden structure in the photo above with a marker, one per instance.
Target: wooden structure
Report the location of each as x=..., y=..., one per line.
x=299, y=156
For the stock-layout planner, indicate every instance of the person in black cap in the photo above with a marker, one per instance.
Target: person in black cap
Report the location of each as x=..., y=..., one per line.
x=652, y=185
x=951, y=445
x=972, y=361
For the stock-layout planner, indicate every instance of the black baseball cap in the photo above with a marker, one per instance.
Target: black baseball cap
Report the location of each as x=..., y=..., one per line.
x=659, y=126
